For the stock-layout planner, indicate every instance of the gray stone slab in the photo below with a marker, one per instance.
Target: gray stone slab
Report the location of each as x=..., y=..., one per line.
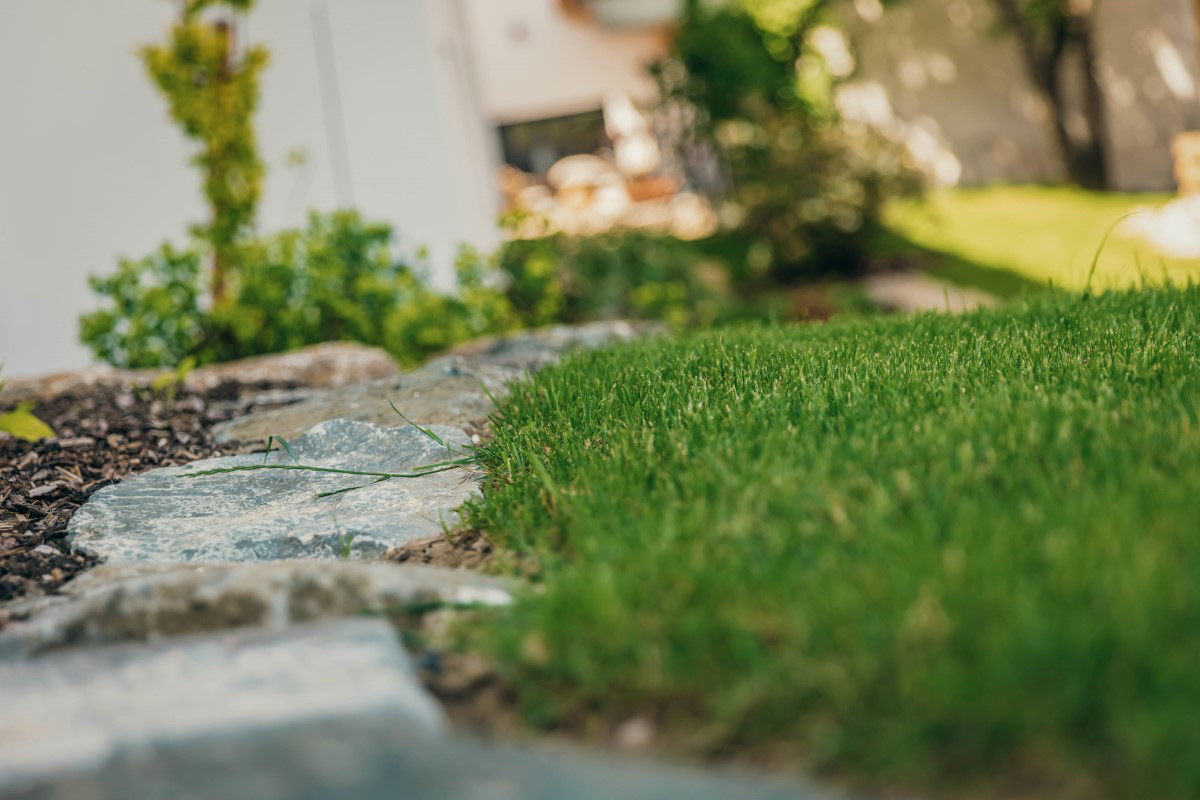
x=321, y=365
x=450, y=390
x=271, y=515
x=142, y=601
x=916, y=292
x=72, y=713
x=377, y=760
x=444, y=392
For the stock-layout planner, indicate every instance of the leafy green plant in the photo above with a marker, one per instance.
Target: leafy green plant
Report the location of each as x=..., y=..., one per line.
x=619, y=275
x=23, y=424
x=335, y=279
x=154, y=317
x=814, y=195
x=212, y=90
x=169, y=382
x=806, y=187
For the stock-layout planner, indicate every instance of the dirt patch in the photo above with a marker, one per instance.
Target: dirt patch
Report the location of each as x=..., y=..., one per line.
x=475, y=698
x=105, y=433
x=461, y=549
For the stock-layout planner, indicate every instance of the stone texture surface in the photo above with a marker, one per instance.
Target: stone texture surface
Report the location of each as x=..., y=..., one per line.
x=319, y=366
x=443, y=392
x=71, y=713
x=272, y=515
x=375, y=759
x=450, y=390
x=145, y=601
x=914, y=292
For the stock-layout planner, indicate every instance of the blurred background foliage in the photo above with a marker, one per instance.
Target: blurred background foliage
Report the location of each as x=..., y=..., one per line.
x=802, y=199
x=762, y=86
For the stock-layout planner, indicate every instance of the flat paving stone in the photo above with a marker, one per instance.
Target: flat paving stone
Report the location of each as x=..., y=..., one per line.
x=915, y=292
x=456, y=389
x=378, y=760
x=73, y=712
x=144, y=601
x=316, y=366
x=271, y=515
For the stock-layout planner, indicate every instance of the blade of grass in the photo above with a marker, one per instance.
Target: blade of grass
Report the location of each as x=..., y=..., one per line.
x=1087, y=288
x=350, y=488
x=425, y=431
x=450, y=451
x=443, y=466
x=286, y=446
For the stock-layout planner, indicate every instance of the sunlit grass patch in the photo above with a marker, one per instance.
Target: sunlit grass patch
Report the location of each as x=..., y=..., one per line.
x=1041, y=234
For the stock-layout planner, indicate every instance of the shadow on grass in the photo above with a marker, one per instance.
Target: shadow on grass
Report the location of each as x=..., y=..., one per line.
x=895, y=250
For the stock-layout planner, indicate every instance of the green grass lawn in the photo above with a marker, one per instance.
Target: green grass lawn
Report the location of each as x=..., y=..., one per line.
x=936, y=550
x=1037, y=234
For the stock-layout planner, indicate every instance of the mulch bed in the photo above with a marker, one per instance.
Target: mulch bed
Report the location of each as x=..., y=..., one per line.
x=104, y=434
x=467, y=549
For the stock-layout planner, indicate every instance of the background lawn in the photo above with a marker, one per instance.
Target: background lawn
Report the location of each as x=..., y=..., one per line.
x=935, y=550
x=1037, y=234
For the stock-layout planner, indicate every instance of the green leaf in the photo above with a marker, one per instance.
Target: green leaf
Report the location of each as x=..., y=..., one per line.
x=24, y=425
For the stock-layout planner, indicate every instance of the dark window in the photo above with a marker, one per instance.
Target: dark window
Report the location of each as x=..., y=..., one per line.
x=536, y=146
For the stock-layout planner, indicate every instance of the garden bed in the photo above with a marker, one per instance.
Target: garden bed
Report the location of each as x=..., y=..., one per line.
x=105, y=433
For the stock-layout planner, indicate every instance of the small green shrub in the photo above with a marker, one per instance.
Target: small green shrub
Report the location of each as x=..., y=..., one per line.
x=337, y=279
x=154, y=317
x=333, y=280
x=813, y=194
x=625, y=275
x=808, y=189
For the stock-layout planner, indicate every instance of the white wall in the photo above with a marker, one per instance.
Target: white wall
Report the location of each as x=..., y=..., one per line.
x=92, y=168
x=89, y=168
x=536, y=62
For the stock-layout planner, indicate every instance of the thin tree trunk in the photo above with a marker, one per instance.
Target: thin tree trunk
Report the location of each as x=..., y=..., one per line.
x=1092, y=163
x=225, y=32
x=1084, y=162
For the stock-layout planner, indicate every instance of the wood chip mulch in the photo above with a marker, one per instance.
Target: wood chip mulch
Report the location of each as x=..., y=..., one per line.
x=467, y=549
x=104, y=435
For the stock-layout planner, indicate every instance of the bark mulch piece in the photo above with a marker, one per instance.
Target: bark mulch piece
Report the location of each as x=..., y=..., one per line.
x=104, y=435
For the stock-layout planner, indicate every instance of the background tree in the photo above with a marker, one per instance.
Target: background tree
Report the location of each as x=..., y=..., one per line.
x=807, y=191
x=212, y=93
x=1057, y=42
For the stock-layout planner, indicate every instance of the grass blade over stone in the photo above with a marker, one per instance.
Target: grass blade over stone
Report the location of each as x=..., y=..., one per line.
x=430, y=469
x=923, y=550
x=284, y=444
